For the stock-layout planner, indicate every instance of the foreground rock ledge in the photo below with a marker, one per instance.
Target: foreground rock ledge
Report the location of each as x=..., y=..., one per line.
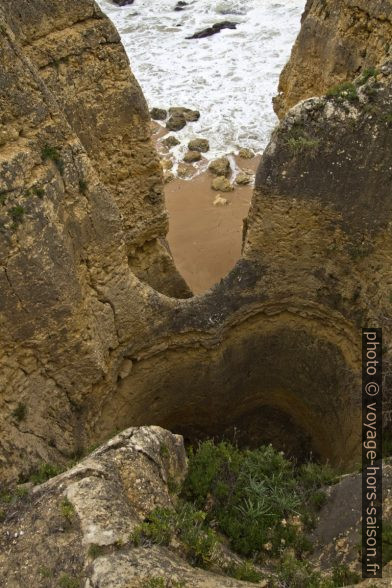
x=110, y=493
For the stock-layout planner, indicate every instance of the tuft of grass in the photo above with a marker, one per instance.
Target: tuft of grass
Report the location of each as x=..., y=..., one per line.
x=370, y=72
x=20, y=412
x=3, y=199
x=187, y=524
x=95, y=551
x=67, y=510
x=44, y=472
x=245, y=571
x=164, y=451
x=343, y=92
x=51, y=153
x=16, y=213
x=45, y=572
x=40, y=192
x=343, y=576
x=300, y=144
x=67, y=581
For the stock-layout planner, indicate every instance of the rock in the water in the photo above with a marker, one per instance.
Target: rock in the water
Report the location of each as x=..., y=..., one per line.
x=246, y=153
x=216, y=28
x=123, y=2
x=219, y=201
x=180, y=6
x=221, y=184
x=176, y=122
x=170, y=141
x=189, y=114
x=192, y=156
x=201, y=145
x=243, y=179
x=220, y=167
x=185, y=170
x=158, y=114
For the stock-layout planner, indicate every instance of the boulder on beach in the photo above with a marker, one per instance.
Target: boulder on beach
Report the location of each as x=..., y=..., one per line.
x=246, y=153
x=192, y=156
x=244, y=178
x=176, y=122
x=170, y=141
x=216, y=28
x=185, y=170
x=123, y=2
x=189, y=114
x=220, y=167
x=201, y=145
x=219, y=201
x=221, y=184
x=158, y=114
x=166, y=164
x=168, y=177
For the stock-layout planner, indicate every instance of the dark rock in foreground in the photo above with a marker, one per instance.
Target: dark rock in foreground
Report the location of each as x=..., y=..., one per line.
x=158, y=114
x=180, y=6
x=216, y=28
x=123, y=2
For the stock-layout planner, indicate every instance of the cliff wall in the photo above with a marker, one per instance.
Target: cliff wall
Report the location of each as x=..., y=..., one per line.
x=88, y=348
x=338, y=40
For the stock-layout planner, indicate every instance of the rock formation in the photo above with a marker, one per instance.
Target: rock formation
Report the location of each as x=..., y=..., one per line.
x=338, y=40
x=95, y=337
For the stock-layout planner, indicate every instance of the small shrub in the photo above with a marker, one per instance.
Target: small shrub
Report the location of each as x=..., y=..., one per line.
x=44, y=472
x=300, y=144
x=16, y=213
x=343, y=92
x=45, y=572
x=295, y=573
x=3, y=199
x=40, y=192
x=67, y=510
x=20, y=412
x=370, y=72
x=318, y=499
x=67, y=581
x=52, y=154
x=245, y=572
x=95, y=551
x=343, y=576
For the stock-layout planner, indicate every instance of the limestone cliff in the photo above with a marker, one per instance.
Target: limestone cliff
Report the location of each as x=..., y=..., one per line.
x=338, y=40
x=273, y=351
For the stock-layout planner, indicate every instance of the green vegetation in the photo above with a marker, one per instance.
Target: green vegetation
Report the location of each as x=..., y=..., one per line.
x=161, y=582
x=52, y=154
x=3, y=198
x=300, y=144
x=370, y=72
x=67, y=510
x=164, y=451
x=40, y=192
x=95, y=551
x=187, y=524
x=342, y=92
x=259, y=499
x=245, y=572
x=16, y=213
x=386, y=542
x=44, y=472
x=20, y=412
x=67, y=581
x=297, y=574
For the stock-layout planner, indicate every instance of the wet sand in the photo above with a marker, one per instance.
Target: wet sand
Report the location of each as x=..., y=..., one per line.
x=206, y=240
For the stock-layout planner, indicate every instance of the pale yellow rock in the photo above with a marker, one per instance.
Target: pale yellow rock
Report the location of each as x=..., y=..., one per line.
x=219, y=201
x=222, y=184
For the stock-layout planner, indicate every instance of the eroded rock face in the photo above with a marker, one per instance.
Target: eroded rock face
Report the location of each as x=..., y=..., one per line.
x=79, y=56
x=338, y=40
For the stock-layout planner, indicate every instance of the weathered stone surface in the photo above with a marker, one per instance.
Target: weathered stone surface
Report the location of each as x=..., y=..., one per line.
x=216, y=28
x=176, y=122
x=201, y=145
x=221, y=184
x=338, y=40
x=158, y=114
x=220, y=167
x=246, y=153
x=170, y=141
x=243, y=179
x=192, y=156
x=189, y=114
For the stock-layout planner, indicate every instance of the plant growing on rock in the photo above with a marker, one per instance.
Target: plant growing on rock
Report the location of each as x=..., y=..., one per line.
x=52, y=154
x=345, y=91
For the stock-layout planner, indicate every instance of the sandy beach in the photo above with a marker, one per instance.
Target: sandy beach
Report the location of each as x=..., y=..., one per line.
x=206, y=240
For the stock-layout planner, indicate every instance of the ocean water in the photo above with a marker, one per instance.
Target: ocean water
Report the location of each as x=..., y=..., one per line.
x=230, y=77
